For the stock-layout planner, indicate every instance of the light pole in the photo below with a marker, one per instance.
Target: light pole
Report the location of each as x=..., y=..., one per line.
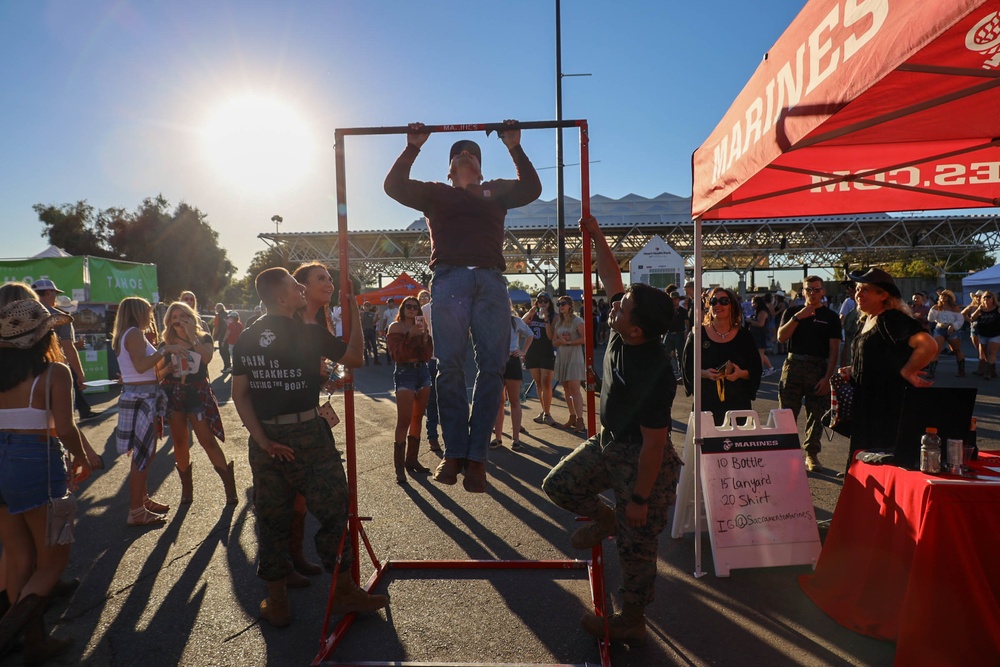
x=560, y=212
x=277, y=220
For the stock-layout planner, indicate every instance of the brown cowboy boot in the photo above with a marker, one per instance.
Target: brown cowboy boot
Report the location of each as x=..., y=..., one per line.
x=39, y=646
x=187, y=484
x=412, y=463
x=228, y=476
x=399, y=461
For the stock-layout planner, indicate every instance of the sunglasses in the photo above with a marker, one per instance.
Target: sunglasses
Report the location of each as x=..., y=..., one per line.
x=720, y=301
x=543, y=301
x=411, y=306
x=565, y=303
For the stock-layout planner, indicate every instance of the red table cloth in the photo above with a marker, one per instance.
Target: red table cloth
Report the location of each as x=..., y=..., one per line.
x=913, y=558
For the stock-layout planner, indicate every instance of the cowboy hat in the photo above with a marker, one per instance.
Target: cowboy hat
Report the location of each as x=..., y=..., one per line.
x=23, y=323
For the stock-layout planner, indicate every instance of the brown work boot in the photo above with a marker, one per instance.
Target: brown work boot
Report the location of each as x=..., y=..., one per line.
x=593, y=532
x=475, y=476
x=296, y=580
x=813, y=464
x=296, y=538
x=447, y=471
x=349, y=598
x=275, y=608
x=628, y=625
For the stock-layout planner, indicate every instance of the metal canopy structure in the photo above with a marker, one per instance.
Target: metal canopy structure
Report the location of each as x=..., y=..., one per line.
x=531, y=243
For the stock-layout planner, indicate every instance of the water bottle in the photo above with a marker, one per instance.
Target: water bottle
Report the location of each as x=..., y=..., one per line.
x=930, y=451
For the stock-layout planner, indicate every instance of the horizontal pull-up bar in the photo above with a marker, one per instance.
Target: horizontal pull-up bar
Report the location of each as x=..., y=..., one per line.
x=466, y=127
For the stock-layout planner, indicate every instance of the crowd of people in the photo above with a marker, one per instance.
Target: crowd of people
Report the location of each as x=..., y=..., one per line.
x=292, y=350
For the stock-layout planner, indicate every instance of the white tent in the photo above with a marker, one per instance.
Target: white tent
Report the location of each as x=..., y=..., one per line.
x=987, y=279
x=52, y=251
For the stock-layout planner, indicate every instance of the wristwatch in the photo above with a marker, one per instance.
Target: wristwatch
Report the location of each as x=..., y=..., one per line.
x=795, y=318
x=639, y=500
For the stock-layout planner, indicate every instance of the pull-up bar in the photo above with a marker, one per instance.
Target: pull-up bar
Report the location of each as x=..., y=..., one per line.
x=595, y=566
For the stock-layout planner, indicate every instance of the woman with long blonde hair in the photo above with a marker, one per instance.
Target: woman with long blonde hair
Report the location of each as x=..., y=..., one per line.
x=190, y=399
x=141, y=404
x=411, y=347
x=948, y=320
x=570, y=368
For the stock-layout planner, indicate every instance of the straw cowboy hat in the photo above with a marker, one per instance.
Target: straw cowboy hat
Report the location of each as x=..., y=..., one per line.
x=24, y=323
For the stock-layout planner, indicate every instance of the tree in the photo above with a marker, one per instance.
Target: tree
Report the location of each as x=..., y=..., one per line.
x=925, y=268
x=75, y=228
x=517, y=284
x=182, y=245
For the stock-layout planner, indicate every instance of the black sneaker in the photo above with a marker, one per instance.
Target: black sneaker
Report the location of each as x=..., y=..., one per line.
x=89, y=415
x=516, y=445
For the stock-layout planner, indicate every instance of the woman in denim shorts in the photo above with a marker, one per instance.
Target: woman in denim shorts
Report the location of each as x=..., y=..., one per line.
x=986, y=319
x=948, y=320
x=411, y=348
x=35, y=399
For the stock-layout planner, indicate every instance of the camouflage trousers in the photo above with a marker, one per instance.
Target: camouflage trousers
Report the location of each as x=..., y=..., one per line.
x=318, y=474
x=797, y=388
x=600, y=464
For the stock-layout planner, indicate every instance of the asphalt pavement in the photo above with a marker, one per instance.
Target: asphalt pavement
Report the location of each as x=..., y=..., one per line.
x=187, y=593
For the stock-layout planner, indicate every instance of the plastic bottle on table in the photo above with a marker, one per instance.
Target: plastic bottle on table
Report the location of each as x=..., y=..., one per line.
x=930, y=451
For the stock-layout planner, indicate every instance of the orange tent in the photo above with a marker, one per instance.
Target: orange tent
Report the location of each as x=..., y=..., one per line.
x=402, y=286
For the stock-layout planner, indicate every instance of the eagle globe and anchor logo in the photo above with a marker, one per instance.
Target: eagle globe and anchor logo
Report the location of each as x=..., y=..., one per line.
x=727, y=444
x=984, y=38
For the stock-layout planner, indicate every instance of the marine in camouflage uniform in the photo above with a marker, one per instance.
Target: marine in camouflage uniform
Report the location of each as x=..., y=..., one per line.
x=632, y=455
x=276, y=383
x=599, y=464
x=318, y=474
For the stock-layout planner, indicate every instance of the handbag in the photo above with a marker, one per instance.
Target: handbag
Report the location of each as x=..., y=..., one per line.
x=60, y=514
x=838, y=417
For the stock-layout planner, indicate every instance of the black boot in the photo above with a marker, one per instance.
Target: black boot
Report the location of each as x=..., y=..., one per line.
x=961, y=368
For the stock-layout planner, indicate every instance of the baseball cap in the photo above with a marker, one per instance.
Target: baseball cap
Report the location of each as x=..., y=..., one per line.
x=465, y=145
x=45, y=285
x=879, y=278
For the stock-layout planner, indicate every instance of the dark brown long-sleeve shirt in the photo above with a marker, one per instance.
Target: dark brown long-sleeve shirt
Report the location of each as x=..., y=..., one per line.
x=466, y=224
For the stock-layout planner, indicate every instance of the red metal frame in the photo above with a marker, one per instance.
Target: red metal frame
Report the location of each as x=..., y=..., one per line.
x=594, y=566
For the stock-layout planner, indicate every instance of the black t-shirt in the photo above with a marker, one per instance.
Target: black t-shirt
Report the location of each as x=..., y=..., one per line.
x=678, y=324
x=988, y=323
x=281, y=355
x=813, y=334
x=638, y=389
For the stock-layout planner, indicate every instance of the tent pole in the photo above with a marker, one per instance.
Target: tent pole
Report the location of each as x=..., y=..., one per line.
x=696, y=318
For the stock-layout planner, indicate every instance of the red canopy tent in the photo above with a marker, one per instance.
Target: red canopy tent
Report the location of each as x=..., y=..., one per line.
x=402, y=286
x=863, y=106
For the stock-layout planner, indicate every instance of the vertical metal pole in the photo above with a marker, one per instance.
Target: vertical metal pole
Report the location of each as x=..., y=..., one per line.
x=696, y=437
x=345, y=281
x=588, y=292
x=560, y=213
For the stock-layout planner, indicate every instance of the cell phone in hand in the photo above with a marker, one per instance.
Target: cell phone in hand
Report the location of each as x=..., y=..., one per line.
x=419, y=319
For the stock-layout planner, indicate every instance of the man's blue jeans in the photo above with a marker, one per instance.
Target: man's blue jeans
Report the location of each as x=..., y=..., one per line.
x=432, y=400
x=464, y=300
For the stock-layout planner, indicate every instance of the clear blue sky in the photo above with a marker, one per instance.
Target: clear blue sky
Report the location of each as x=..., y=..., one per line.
x=114, y=102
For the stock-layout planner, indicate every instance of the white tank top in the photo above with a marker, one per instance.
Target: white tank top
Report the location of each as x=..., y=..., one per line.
x=26, y=418
x=129, y=374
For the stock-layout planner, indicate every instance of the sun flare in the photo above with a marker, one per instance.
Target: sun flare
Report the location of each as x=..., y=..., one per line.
x=258, y=145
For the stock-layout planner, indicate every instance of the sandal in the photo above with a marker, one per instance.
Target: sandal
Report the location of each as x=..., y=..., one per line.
x=496, y=444
x=141, y=516
x=155, y=507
